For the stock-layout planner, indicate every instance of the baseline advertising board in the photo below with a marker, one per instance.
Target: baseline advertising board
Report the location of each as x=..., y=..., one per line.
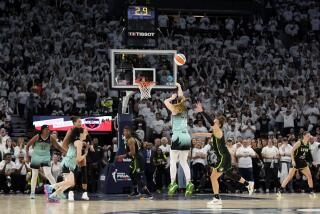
x=64, y=123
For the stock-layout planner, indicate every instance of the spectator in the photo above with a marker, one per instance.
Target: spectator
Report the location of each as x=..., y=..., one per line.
x=56, y=168
x=9, y=148
x=165, y=147
x=114, y=148
x=20, y=149
x=288, y=121
x=22, y=100
x=264, y=125
x=285, y=160
x=244, y=155
x=270, y=155
x=7, y=125
x=315, y=169
x=22, y=168
x=140, y=132
x=312, y=113
x=3, y=137
x=200, y=128
x=158, y=126
x=248, y=129
x=199, y=157
x=160, y=162
x=107, y=155
x=7, y=174
x=91, y=98
x=148, y=154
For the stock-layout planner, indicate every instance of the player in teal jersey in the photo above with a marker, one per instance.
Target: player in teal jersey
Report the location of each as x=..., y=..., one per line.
x=301, y=160
x=41, y=156
x=74, y=155
x=181, y=141
x=82, y=164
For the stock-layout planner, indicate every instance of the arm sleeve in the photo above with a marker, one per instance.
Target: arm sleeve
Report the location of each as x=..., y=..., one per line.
x=207, y=117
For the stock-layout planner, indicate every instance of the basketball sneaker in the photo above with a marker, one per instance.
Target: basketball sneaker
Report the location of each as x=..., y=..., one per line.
x=85, y=196
x=250, y=187
x=134, y=194
x=214, y=202
x=172, y=188
x=32, y=196
x=70, y=196
x=53, y=199
x=47, y=190
x=312, y=195
x=280, y=191
x=189, y=189
x=147, y=196
x=62, y=196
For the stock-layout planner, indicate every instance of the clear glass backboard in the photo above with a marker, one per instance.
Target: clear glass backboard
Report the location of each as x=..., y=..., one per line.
x=128, y=65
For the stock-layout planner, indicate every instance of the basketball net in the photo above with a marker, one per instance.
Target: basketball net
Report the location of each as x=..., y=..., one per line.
x=145, y=88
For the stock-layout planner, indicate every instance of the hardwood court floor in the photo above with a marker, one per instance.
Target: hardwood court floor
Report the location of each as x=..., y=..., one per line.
x=105, y=204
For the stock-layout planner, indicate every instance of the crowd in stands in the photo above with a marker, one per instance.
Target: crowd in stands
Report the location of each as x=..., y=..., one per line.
x=260, y=72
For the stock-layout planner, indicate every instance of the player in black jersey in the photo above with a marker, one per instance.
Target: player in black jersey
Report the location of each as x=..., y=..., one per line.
x=301, y=160
x=223, y=165
x=136, y=168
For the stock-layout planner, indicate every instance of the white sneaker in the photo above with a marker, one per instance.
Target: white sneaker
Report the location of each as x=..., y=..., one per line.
x=32, y=196
x=250, y=187
x=70, y=196
x=312, y=195
x=85, y=196
x=214, y=202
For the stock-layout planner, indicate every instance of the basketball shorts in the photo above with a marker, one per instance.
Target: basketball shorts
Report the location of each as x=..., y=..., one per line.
x=300, y=164
x=40, y=161
x=223, y=163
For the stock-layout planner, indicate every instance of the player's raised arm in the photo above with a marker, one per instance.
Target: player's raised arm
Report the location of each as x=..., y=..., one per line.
x=66, y=140
x=168, y=103
x=199, y=109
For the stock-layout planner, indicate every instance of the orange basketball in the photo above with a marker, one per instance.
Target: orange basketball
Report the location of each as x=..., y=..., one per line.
x=179, y=59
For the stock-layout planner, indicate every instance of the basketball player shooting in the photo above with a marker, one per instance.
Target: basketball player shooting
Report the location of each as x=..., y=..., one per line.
x=223, y=165
x=181, y=141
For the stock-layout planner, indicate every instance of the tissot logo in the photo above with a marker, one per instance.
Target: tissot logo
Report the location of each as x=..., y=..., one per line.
x=91, y=123
x=145, y=34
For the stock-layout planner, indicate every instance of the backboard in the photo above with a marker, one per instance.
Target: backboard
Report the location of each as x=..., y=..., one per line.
x=128, y=65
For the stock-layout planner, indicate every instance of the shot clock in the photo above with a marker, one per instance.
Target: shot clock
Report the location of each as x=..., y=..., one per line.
x=141, y=27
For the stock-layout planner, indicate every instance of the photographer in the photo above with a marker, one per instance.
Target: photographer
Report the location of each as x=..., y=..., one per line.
x=7, y=170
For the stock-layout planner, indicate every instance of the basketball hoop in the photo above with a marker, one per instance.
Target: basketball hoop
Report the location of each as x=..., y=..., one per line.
x=145, y=88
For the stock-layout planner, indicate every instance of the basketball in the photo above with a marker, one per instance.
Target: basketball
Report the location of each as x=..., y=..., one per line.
x=180, y=59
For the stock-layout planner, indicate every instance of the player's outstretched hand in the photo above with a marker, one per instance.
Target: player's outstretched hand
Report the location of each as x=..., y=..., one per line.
x=173, y=96
x=198, y=107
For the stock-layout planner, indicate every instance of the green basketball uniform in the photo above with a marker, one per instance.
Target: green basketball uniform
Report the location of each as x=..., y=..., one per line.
x=41, y=153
